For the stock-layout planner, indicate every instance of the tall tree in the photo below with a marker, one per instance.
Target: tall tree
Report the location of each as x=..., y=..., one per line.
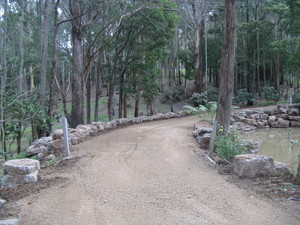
x=227, y=66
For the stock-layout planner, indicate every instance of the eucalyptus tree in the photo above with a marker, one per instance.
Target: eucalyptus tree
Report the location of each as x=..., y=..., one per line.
x=227, y=66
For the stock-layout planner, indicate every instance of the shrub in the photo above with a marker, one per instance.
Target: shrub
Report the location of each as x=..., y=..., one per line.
x=296, y=97
x=271, y=93
x=173, y=95
x=198, y=99
x=243, y=97
x=189, y=110
x=212, y=93
x=228, y=146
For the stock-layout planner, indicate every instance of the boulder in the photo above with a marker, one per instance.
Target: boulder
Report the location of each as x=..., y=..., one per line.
x=58, y=146
x=93, y=129
x=264, y=116
x=293, y=111
x=9, y=222
x=244, y=127
x=77, y=136
x=250, y=166
x=272, y=119
x=254, y=116
x=204, y=141
x=248, y=112
x=32, y=150
x=252, y=146
x=294, y=118
x=237, y=117
x=84, y=129
x=282, y=169
x=262, y=124
x=283, y=123
x=58, y=134
x=2, y=203
x=49, y=157
x=99, y=126
x=13, y=181
x=283, y=116
x=158, y=116
x=283, y=110
x=295, y=124
x=21, y=166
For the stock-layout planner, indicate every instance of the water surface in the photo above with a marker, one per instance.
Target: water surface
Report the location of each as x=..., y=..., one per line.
x=274, y=142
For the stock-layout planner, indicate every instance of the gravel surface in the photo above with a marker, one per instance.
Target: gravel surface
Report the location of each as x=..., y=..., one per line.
x=151, y=173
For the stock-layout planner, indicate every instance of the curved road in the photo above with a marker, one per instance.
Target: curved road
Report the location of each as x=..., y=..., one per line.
x=147, y=174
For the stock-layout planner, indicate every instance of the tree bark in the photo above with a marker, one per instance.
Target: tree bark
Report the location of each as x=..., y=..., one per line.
x=44, y=52
x=88, y=99
x=98, y=88
x=53, y=68
x=77, y=112
x=227, y=66
x=198, y=57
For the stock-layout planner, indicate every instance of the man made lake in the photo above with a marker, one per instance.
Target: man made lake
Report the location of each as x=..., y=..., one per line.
x=274, y=142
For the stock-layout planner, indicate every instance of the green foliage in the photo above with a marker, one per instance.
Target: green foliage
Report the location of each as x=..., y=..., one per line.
x=228, y=146
x=296, y=97
x=212, y=93
x=173, y=95
x=198, y=99
x=243, y=97
x=189, y=110
x=271, y=93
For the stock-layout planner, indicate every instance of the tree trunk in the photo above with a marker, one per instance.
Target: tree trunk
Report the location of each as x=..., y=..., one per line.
x=88, y=99
x=98, y=88
x=53, y=69
x=77, y=112
x=110, y=104
x=227, y=66
x=125, y=105
x=137, y=102
x=44, y=52
x=198, y=57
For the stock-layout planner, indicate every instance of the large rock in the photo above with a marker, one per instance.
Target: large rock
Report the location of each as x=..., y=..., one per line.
x=77, y=136
x=9, y=181
x=252, y=146
x=41, y=145
x=20, y=166
x=2, y=203
x=58, y=146
x=282, y=169
x=42, y=149
x=283, y=110
x=244, y=127
x=204, y=141
x=9, y=222
x=295, y=124
x=293, y=111
x=99, y=125
x=264, y=116
x=58, y=134
x=272, y=119
x=250, y=166
x=294, y=118
x=280, y=123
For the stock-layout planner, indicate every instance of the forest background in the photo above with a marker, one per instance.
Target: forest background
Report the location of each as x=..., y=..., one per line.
x=91, y=60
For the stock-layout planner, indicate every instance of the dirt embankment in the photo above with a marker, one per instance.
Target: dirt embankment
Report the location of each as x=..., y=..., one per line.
x=150, y=173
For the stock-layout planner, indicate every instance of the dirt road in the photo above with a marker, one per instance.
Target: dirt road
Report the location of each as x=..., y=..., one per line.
x=147, y=174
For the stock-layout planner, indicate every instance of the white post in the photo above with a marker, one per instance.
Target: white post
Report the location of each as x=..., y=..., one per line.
x=66, y=137
x=213, y=138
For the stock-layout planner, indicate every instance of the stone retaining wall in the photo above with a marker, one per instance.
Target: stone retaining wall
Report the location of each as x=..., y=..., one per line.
x=284, y=116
